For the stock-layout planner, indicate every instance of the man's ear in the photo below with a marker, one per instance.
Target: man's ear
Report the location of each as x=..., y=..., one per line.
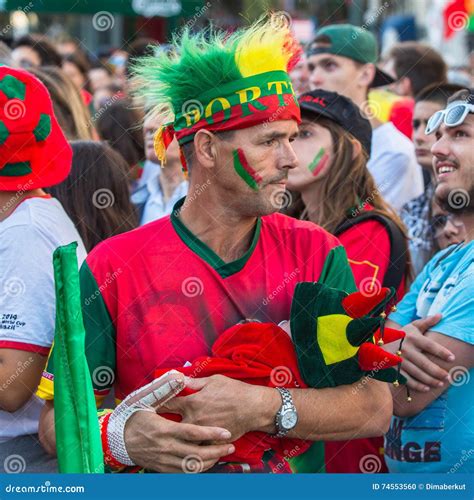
x=205, y=148
x=356, y=149
x=367, y=74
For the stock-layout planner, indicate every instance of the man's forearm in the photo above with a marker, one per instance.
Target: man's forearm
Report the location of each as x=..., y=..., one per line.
x=46, y=432
x=353, y=411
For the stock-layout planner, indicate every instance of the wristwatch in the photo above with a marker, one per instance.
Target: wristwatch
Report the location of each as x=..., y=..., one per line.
x=287, y=417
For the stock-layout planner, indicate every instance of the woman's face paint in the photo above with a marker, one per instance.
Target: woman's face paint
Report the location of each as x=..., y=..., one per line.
x=319, y=162
x=242, y=167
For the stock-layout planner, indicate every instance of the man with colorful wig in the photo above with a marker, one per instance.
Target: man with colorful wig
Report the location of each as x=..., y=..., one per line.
x=160, y=296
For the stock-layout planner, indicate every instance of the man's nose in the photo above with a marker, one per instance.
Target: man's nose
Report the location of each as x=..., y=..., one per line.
x=419, y=135
x=290, y=160
x=316, y=78
x=440, y=148
x=450, y=230
x=305, y=73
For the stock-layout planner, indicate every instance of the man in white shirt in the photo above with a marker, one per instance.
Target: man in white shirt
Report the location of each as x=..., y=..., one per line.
x=342, y=59
x=34, y=154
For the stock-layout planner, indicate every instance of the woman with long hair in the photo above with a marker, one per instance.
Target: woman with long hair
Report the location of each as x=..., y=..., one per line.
x=334, y=189
x=73, y=115
x=95, y=194
x=120, y=124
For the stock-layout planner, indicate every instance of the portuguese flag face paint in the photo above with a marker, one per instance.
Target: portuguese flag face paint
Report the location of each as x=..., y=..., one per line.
x=319, y=162
x=242, y=167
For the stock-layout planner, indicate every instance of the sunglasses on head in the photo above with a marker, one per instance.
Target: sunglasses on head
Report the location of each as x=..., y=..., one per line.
x=452, y=116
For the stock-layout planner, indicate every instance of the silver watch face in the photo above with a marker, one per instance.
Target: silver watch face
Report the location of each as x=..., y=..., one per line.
x=289, y=419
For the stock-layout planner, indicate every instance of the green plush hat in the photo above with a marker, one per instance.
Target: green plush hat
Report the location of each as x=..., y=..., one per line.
x=220, y=81
x=338, y=336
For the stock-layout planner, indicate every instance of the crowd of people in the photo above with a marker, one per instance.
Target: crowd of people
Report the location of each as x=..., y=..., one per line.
x=202, y=181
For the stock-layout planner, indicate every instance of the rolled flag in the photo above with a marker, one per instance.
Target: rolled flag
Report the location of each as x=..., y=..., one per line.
x=78, y=442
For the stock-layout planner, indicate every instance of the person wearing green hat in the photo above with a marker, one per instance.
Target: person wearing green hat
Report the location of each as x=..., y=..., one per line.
x=342, y=58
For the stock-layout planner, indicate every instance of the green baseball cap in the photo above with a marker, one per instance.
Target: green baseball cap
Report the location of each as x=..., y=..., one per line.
x=352, y=42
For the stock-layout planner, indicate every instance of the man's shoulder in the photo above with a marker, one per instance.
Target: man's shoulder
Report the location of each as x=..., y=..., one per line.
x=458, y=256
x=389, y=140
x=134, y=243
x=38, y=219
x=28, y=212
x=298, y=230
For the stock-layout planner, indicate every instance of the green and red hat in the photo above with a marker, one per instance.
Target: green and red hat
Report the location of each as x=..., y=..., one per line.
x=34, y=152
x=220, y=82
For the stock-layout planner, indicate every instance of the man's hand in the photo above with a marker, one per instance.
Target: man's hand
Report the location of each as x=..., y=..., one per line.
x=227, y=403
x=421, y=372
x=161, y=445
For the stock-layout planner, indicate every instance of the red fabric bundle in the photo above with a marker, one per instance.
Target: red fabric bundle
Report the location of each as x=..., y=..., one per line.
x=258, y=354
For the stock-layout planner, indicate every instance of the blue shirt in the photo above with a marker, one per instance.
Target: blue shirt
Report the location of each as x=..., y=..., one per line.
x=441, y=437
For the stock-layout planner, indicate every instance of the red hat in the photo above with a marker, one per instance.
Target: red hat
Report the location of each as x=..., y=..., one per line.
x=34, y=152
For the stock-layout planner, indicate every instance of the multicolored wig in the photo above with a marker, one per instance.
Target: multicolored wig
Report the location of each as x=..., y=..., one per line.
x=220, y=81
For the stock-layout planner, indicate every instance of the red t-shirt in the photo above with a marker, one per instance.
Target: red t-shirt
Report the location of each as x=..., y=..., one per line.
x=368, y=249
x=157, y=297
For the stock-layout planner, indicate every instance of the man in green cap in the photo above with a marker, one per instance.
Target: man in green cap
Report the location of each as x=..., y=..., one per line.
x=342, y=58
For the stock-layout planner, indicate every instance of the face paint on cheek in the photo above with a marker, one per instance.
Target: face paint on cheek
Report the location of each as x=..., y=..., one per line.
x=244, y=170
x=319, y=162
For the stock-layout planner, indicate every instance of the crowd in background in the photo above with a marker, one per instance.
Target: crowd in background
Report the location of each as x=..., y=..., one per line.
x=376, y=182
